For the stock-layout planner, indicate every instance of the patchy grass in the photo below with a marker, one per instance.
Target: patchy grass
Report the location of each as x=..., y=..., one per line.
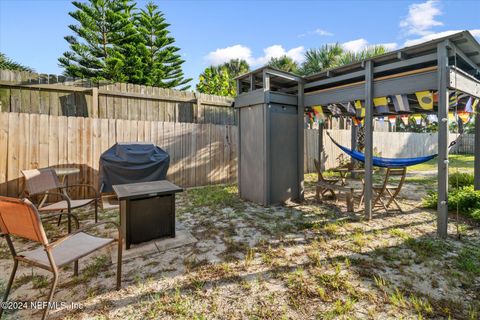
x=464, y=162
x=298, y=261
x=214, y=197
x=468, y=260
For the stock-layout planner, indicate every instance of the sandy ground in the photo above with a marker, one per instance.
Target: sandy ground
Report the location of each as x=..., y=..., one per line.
x=298, y=261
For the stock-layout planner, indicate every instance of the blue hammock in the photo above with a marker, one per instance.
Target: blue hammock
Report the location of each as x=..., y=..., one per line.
x=384, y=162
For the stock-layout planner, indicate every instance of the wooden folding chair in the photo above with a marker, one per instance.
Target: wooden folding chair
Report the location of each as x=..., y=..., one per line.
x=20, y=218
x=320, y=189
x=386, y=193
x=44, y=183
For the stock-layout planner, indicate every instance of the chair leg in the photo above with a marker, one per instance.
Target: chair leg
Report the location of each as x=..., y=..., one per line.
x=349, y=200
x=378, y=198
x=9, y=286
x=75, y=268
x=96, y=210
x=393, y=200
x=50, y=296
x=59, y=219
x=119, y=263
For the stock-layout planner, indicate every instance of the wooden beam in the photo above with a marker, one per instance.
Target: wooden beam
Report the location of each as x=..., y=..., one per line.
x=369, y=94
x=443, y=98
x=300, y=147
x=477, y=150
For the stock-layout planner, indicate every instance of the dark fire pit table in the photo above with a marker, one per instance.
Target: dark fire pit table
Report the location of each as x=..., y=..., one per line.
x=147, y=210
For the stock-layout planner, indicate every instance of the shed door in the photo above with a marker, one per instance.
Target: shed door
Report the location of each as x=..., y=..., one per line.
x=283, y=153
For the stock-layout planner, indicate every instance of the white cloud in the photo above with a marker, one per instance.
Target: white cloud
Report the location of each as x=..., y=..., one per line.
x=421, y=18
x=362, y=44
x=322, y=32
x=238, y=51
x=355, y=45
x=222, y=55
x=428, y=37
x=390, y=46
x=276, y=51
x=318, y=32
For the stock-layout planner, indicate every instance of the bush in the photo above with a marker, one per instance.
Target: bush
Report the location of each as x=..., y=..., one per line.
x=466, y=199
x=459, y=180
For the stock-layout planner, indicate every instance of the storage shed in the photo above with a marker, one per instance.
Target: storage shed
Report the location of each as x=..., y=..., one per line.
x=271, y=127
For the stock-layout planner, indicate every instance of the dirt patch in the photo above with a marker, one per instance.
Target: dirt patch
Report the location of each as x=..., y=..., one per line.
x=298, y=261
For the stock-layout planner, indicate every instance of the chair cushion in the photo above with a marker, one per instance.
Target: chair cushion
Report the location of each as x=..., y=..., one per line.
x=79, y=245
x=62, y=205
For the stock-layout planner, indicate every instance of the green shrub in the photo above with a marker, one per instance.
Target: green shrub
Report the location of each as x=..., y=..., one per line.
x=431, y=200
x=459, y=180
x=465, y=199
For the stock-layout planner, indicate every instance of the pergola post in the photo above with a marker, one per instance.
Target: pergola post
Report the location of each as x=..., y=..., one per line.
x=477, y=150
x=442, y=206
x=353, y=144
x=368, y=138
x=320, y=145
x=301, y=132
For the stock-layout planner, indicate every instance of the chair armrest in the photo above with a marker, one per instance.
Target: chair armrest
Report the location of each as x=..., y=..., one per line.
x=56, y=243
x=88, y=186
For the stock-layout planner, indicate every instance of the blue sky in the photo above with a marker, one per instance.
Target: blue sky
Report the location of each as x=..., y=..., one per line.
x=210, y=32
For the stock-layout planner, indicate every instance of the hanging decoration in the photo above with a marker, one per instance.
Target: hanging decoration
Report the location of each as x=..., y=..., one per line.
x=425, y=99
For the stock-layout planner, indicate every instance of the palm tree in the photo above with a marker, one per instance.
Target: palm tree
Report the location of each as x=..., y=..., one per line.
x=369, y=52
x=235, y=67
x=8, y=64
x=284, y=63
x=325, y=57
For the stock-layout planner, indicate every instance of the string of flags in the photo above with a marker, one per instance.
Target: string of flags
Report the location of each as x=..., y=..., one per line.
x=402, y=106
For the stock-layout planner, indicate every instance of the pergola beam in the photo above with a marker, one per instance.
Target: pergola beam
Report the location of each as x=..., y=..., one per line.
x=460, y=80
x=383, y=68
x=388, y=86
x=442, y=205
x=463, y=56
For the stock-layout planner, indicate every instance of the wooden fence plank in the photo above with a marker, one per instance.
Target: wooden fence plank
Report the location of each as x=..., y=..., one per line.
x=13, y=170
x=4, y=154
x=34, y=147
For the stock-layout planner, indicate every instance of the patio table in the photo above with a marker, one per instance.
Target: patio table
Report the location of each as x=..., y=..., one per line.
x=343, y=172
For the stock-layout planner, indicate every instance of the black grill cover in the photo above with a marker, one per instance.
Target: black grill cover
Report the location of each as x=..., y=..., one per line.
x=130, y=163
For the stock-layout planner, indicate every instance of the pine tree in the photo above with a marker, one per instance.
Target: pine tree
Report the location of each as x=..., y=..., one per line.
x=163, y=65
x=8, y=64
x=104, y=40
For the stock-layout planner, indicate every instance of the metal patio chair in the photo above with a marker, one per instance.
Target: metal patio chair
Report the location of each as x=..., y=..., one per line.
x=321, y=190
x=44, y=183
x=20, y=218
x=387, y=192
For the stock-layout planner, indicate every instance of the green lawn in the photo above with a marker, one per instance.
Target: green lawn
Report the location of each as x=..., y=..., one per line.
x=464, y=162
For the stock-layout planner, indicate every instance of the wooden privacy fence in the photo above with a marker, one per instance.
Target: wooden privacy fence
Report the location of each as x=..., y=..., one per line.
x=200, y=154
x=60, y=96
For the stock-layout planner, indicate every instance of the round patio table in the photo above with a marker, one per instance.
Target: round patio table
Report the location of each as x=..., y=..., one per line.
x=62, y=173
x=343, y=172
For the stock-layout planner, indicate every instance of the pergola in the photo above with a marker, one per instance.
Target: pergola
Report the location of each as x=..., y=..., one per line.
x=442, y=65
